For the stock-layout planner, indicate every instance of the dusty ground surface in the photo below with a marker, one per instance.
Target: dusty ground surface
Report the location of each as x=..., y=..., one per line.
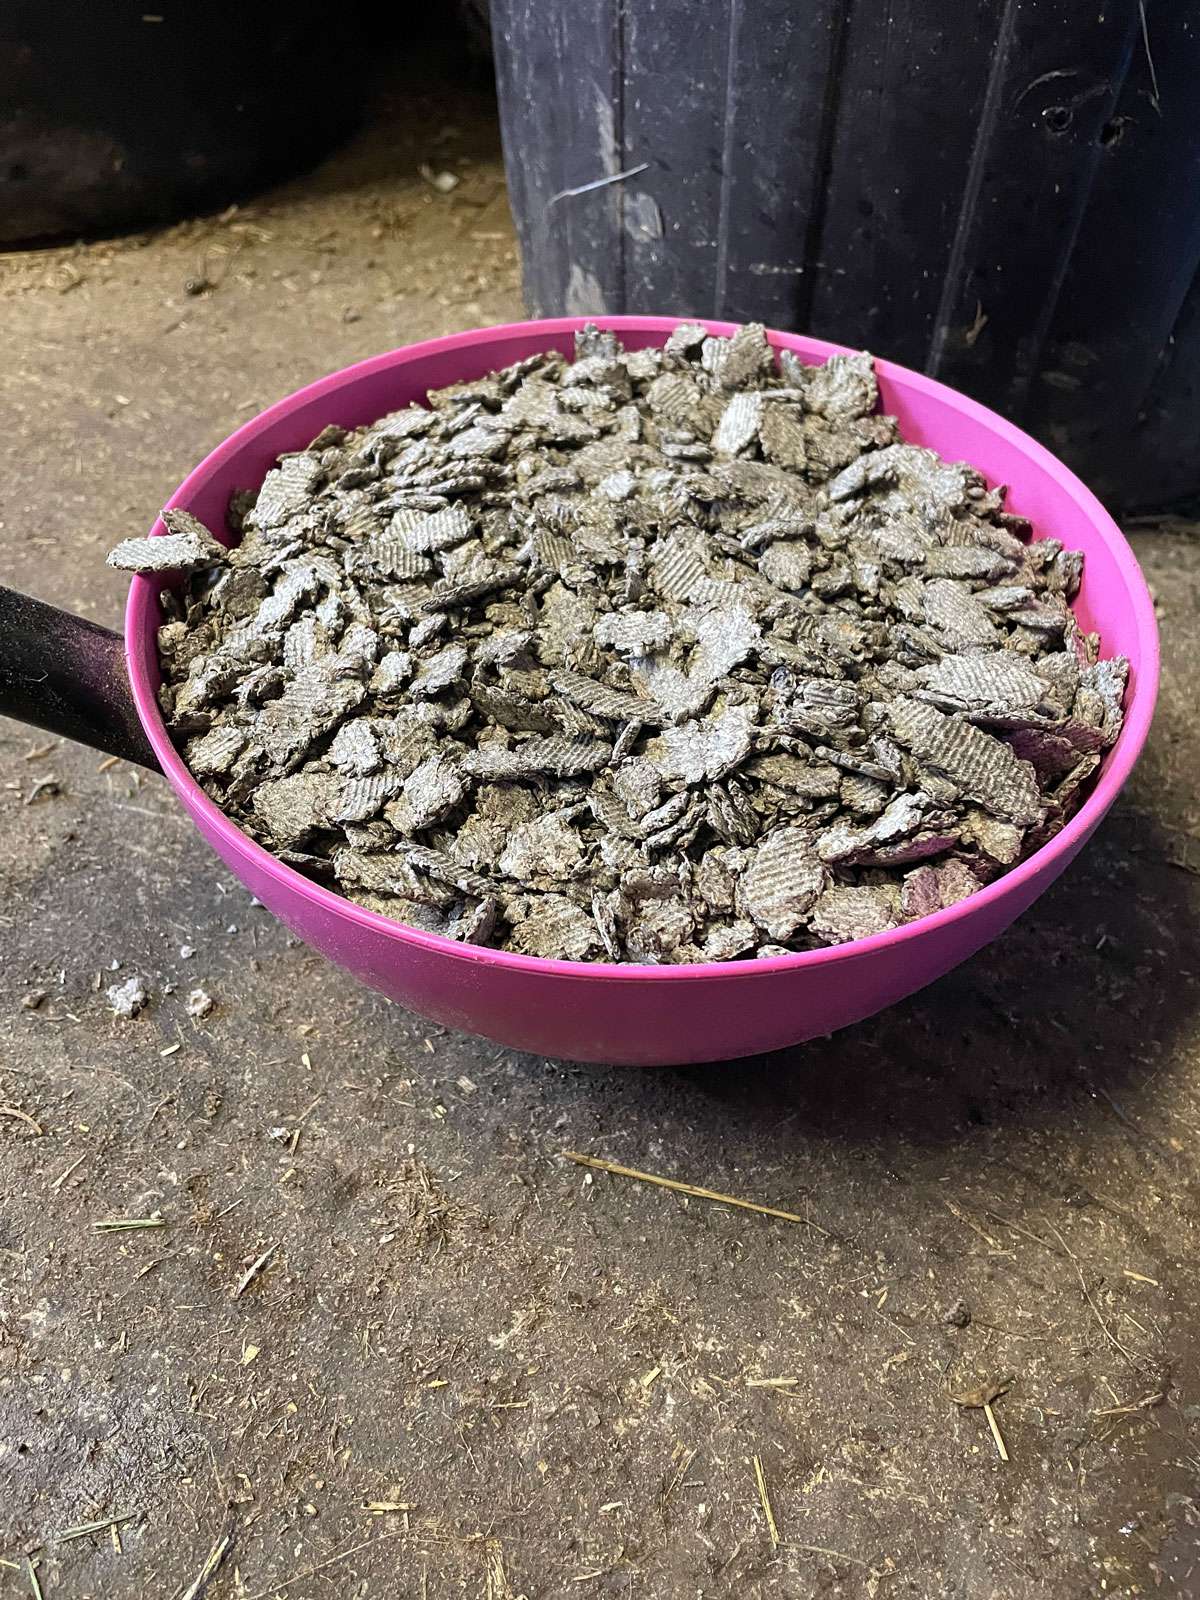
x=463, y=1367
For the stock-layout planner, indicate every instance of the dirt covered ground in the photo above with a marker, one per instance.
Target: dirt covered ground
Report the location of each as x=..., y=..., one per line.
x=386, y=1341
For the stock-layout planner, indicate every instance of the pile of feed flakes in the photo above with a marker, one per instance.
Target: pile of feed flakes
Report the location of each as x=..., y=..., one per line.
x=659, y=656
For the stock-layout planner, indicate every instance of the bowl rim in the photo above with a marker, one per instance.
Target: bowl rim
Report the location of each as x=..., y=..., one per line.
x=140, y=634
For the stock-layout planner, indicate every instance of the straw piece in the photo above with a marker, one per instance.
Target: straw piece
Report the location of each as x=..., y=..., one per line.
x=688, y=1188
x=63, y=1176
x=81, y=1529
x=766, y=1503
x=837, y=1555
x=213, y=1560
x=22, y=1116
x=320, y=1566
x=122, y=1224
x=995, y=1427
x=253, y=1271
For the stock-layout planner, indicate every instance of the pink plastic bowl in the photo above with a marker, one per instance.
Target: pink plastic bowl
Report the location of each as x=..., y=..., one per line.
x=645, y=1015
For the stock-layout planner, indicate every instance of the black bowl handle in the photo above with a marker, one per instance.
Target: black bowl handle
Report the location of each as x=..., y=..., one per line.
x=62, y=673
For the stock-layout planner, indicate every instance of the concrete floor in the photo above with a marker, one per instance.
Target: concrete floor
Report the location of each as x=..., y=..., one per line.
x=466, y=1367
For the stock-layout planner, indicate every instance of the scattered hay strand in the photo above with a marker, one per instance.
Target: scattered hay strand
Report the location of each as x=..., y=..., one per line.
x=1095, y=1309
x=212, y=1561
x=995, y=1427
x=63, y=1176
x=766, y=1503
x=835, y=1555
x=23, y=1116
x=688, y=1188
x=320, y=1566
x=123, y=1224
x=101, y=1525
x=253, y=1271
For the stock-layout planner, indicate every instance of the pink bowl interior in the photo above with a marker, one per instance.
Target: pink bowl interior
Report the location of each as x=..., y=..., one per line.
x=1114, y=601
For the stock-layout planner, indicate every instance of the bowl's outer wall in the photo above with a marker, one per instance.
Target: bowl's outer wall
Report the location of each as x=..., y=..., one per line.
x=659, y=1015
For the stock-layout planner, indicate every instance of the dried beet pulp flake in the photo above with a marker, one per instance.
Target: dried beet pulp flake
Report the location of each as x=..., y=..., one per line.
x=669, y=656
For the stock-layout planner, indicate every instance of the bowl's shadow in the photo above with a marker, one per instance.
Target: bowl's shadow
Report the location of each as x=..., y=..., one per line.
x=1080, y=997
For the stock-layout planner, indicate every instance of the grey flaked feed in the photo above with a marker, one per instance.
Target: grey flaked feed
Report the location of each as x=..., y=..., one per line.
x=660, y=655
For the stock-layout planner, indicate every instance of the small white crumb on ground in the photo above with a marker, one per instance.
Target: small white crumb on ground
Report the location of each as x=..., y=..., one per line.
x=198, y=1004
x=128, y=998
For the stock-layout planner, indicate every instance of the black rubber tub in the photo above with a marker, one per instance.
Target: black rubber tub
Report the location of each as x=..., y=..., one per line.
x=1002, y=193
